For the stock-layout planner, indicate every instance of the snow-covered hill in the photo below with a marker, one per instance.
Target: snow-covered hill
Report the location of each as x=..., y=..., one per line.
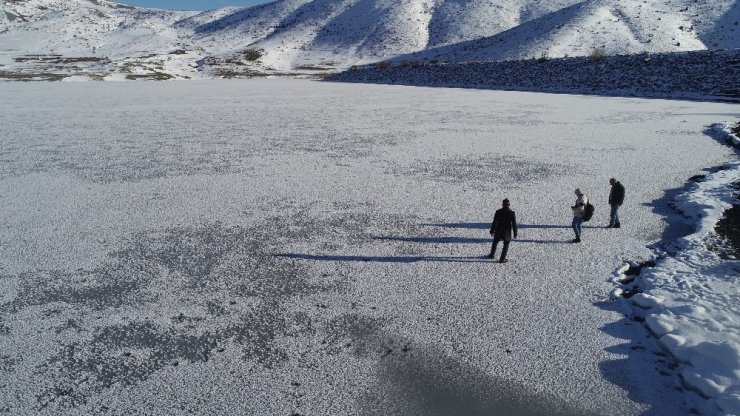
x=318, y=36
x=614, y=27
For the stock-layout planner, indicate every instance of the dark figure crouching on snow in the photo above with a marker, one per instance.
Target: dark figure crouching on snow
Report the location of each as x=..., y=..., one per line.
x=616, y=199
x=502, y=228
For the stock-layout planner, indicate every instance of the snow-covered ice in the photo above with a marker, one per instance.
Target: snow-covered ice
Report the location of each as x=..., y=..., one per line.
x=281, y=247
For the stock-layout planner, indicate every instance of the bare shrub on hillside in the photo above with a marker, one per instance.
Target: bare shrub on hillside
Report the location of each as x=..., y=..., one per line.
x=252, y=54
x=598, y=54
x=383, y=65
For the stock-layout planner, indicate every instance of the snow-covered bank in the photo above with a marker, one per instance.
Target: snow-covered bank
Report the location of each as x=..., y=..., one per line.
x=686, y=75
x=690, y=297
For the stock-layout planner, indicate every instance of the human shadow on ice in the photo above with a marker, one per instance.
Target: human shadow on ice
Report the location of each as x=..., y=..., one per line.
x=487, y=225
x=644, y=371
x=462, y=240
x=436, y=240
x=385, y=259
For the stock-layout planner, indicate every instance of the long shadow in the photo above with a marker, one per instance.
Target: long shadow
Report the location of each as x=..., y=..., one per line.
x=641, y=355
x=422, y=380
x=542, y=241
x=464, y=225
x=461, y=240
x=487, y=225
x=436, y=240
x=385, y=259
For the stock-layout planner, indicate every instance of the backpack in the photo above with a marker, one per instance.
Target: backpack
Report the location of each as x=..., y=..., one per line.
x=588, y=212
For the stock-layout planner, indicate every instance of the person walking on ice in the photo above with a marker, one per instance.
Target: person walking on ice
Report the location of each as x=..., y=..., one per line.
x=502, y=229
x=616, y=199
x=579, y=210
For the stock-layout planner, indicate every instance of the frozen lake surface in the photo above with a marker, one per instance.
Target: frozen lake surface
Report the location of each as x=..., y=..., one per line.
x=294, y=247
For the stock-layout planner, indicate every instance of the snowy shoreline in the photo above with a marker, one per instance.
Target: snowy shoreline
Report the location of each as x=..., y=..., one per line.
x=688, y=297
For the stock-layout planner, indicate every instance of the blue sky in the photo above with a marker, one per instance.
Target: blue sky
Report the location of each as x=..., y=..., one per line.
x=192, y=4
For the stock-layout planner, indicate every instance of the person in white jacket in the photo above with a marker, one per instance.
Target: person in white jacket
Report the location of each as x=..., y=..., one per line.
x=579, y=209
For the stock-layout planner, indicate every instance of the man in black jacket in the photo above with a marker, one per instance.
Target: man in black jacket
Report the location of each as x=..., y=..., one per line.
x=616, y=198
x=504, y=222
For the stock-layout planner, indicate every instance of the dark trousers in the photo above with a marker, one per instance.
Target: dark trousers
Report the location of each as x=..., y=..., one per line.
x=614, y=215
x=504, y=251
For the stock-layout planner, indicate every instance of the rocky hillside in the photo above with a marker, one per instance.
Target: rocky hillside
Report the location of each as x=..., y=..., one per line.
x=702, y=75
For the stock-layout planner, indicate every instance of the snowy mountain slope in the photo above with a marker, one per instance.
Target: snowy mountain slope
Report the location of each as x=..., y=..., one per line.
x=614, y=26
x=17, y=12
x=81, y=26
x=460, y=20
x=90, y=38
x=315, y=36
x=295, y=33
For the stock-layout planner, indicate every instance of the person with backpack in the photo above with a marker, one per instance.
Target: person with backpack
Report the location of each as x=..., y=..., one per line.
x=616, y=198
x=502, y=228
x=579, y=212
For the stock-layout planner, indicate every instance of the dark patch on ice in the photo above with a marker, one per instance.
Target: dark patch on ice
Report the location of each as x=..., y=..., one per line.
x=129, y=160
x=105, y=148
x=422, y=381
x=4, y=329
x=343, y=144
x=163, y=143
x=109, y=287
x=358, y=331
x=484, y=172
x=223, y=285
x=7, y=363
x=103, y=360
